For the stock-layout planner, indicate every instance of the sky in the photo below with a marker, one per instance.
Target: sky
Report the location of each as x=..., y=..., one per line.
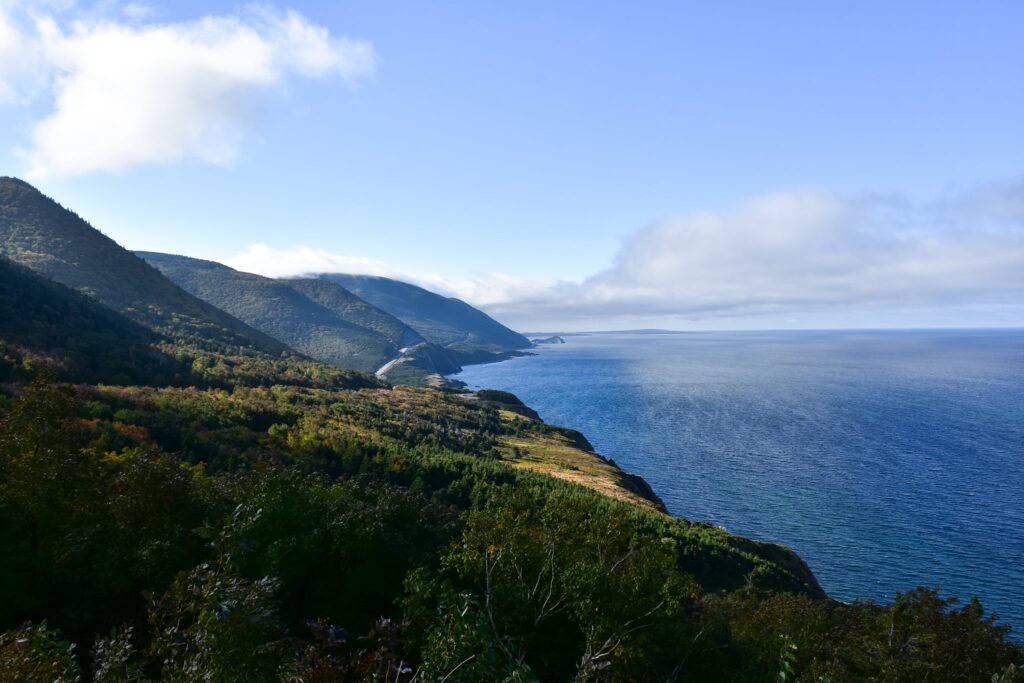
x=565, y=166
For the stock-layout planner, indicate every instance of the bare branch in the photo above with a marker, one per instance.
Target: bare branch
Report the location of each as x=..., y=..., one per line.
x=457, y=667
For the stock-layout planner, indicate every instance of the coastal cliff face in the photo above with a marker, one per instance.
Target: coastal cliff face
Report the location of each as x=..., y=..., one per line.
x=567, y=455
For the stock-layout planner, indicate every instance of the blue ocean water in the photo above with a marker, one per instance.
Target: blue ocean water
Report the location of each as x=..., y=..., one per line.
x=887, y=460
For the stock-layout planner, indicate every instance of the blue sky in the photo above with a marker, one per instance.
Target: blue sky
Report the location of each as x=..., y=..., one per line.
x=565, y=165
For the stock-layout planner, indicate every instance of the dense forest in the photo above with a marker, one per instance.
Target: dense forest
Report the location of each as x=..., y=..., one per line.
x=448, y=322
x=318, y=318
x=75, y=336
x=39, y=233
x=185, y=499
x=314, y=533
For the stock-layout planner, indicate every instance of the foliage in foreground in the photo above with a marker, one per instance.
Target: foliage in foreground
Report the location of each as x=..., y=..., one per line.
x=309, y=534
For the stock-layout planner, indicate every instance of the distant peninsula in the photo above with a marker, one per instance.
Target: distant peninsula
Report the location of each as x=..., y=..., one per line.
x=555, y=339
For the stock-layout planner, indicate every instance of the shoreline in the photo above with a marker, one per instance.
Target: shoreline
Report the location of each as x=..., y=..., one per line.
x=565, y=454
x=852, y=583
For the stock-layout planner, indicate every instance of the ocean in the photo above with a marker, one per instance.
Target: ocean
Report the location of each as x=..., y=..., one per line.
x=886, y=459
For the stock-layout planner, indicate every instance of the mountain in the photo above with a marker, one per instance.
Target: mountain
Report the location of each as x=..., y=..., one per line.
x=448, y=322
x=84, y=341
x=358, y=312
x=316, y=317
x=39, y=233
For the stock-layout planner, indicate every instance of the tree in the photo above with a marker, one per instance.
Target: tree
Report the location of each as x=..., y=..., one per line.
x=36, y=653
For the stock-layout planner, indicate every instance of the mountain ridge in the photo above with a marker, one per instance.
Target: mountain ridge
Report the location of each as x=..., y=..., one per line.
x=322, y=318
x=446, y=321
x=277, y=309
x=316, y=317
x=54, y=241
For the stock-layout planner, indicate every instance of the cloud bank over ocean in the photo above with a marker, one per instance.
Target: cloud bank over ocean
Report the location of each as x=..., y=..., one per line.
x=800, y=255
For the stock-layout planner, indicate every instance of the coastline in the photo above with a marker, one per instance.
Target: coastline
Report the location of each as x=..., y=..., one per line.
x=578, y=462
x=445, y=381
x=703, y=433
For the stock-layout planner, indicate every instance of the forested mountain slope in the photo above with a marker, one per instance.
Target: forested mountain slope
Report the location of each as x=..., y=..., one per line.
x=316, y=317
x=285, y=533
x=449, y=322
x=37, y=232
x=324, y=328
x=44, y=322
x=344, y=303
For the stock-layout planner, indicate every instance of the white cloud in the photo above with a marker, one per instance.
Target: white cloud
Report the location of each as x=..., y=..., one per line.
x=491, y=289
x=484, y=290
x=23, y=69
x=801, y=257
x=131, y=93
x=806, y=251
x=265, y=260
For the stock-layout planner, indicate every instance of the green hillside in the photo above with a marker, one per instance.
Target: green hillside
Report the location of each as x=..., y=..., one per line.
x=448, y=322
x=38, y=233
x=421, y=362
x=290, y=533
x=350, y=307
x=44, y=323
x=284, y=312
x=316, y=317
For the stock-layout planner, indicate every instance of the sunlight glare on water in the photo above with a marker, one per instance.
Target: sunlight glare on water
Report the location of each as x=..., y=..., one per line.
x=888, y=460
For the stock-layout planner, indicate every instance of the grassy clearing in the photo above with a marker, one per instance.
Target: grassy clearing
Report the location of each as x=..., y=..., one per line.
x=555, y=455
